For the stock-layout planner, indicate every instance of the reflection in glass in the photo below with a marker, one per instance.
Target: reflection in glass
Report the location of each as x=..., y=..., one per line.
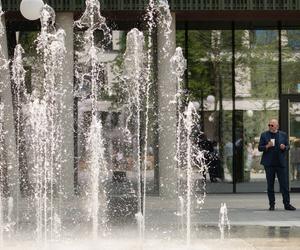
x=256, y=87
x=120, y=135
x=294, y=135
x=290, y=42
x=209, y=74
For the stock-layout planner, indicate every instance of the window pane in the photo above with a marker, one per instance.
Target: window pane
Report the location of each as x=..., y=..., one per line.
x=290, y=41
x=123, y=121
x=209, y=74
x=256, y=70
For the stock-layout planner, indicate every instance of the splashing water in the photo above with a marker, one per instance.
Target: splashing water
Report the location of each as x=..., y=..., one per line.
x=184, y=130
x=165, y=18
x=99, y=174
x=21, y=97
x=178, y=66
x=195, y=160
x=133, y=78
x=149, y=82
x=2, y=135
x=42, y=112
x=3, y=60
x=3, y=66
x=194, y=157
x=223, y=220
x=44, y=124
x=2, y=165
x=18, y=77
x=6, y=203
x=93, y=20
x=38, y=128
x=189, y=154
x=1, y=24
x=88, y=73
x=181, y=212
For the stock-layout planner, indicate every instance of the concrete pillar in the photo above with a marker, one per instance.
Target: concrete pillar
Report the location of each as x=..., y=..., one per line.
x=167, y=112
x=65, y=21
x=8, y=123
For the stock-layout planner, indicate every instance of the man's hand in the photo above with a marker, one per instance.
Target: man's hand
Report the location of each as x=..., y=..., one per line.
x=282, y=146
x=269, y=145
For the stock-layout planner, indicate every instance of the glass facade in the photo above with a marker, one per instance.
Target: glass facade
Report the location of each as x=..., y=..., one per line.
x=290, y=41
x=294, y=128
x=249, y=72
x=209, y=74
x=240, y=77
x=123, y=122
x=256, y=98
x=114, y=110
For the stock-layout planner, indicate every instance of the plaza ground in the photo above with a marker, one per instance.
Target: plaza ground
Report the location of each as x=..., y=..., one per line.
x=249, y=209
x=253, y=226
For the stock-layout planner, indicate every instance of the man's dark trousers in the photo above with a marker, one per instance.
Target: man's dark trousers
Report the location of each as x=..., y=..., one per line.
x=281, y=173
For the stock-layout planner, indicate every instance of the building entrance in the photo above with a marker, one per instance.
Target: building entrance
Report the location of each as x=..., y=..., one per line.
x=290, y=122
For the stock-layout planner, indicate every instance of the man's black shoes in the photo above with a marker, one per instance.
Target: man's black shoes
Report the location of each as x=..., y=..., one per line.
x=289, y=207
x=286, y=207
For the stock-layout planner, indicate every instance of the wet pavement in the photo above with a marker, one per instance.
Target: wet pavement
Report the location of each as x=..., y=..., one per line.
x=252, y=226
x=243, y=209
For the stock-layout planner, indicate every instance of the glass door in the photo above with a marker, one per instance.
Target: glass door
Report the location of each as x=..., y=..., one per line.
x=291, y=124
x=294, y=135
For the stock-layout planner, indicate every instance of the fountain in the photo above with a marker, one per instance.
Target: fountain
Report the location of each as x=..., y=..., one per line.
x=42, y=110
x=133, y=79
x=5, y=204
x=90, y=76
x=1, y=187
x=223, y=220
x=39, y=122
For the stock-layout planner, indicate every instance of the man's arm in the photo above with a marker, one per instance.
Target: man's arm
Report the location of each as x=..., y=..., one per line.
x=285, y=145
x=262, y=143
x=286, y=142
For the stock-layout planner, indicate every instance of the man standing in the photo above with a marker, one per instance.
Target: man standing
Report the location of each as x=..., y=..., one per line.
x=274, y=145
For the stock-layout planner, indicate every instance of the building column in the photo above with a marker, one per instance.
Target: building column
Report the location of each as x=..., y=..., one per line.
x=167, y=89
x=8, y=117
x=65, y=21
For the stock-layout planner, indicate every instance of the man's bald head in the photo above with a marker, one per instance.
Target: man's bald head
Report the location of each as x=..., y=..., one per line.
x=273, y=125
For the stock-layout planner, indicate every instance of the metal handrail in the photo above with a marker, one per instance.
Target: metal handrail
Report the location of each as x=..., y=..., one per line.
x=175, y=5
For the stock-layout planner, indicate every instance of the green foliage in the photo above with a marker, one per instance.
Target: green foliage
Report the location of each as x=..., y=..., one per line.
x=205, y=72
x=27, y=40
x=199, y=71
x=291, y=62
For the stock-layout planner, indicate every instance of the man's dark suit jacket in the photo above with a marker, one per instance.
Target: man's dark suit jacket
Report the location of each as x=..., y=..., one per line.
x=266, y=158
